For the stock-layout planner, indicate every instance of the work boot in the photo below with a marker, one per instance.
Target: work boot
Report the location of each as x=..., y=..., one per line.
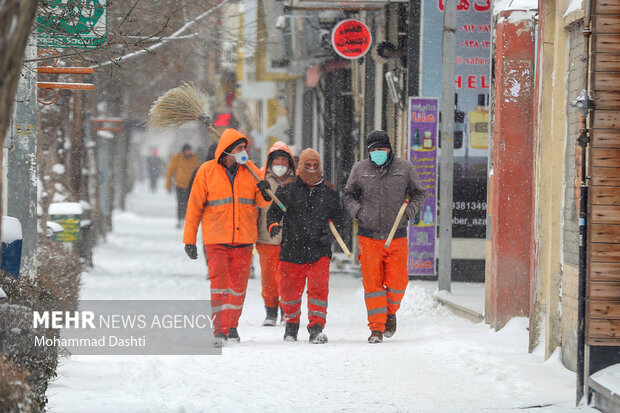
x=220, y=340
x=290, y=333
x=390, y=326
x=316, y=334
x=233, y=335
x=272, y=316
x=375, y=337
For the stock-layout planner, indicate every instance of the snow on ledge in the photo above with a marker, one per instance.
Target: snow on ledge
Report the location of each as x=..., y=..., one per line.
x=503, y=5
x=65, y=208
x=609, y=378
x=574, y=5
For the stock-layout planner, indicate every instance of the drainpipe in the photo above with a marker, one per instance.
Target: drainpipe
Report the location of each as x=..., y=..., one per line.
x=584, y=138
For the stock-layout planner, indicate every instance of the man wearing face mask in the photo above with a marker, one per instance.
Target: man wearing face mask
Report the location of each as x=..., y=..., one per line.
x=375, y=191
x=306, y=244
x=224, y=198
x=279, y=168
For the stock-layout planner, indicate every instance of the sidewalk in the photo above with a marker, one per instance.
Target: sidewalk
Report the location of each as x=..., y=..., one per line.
x=441, y=362
x=466, y=299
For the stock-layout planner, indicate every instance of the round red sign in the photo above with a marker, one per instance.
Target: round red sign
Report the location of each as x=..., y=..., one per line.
x=351, y=39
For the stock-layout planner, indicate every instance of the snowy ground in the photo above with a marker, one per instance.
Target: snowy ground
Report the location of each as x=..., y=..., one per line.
x=436, y=362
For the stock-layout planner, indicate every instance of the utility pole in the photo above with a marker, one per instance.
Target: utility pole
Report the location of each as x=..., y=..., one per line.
x=413, y=49
x=76, y=158
x=22, y=161
x=447, y=145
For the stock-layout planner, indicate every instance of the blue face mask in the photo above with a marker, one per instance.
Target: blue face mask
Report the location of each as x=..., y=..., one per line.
x=379, y=157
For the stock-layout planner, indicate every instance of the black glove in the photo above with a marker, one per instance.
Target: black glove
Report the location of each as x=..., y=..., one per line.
x=275, y=231
x=327, y=238
x=190, y=250
x=264, y=186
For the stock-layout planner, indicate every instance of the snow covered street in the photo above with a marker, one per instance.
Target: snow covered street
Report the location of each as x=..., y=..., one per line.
x=436, y=362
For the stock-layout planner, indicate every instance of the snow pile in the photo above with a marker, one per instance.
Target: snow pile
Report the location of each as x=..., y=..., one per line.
x=609, y=378
x=58, y=169
x=11, y=229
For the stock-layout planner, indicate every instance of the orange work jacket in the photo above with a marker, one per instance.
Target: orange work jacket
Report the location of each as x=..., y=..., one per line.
x=228, y=212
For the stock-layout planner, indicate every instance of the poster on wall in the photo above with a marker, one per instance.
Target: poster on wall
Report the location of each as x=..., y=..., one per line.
x=423, y=123
x=471, y=116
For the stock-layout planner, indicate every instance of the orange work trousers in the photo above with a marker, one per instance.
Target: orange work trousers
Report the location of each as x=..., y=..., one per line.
x=292, y=286
x=269, y=273
x=385, y=278
x=229, y=271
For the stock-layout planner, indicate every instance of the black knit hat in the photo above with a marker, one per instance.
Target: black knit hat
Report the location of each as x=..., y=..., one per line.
x=378, y=139
x=235, y=143
x=186, y=147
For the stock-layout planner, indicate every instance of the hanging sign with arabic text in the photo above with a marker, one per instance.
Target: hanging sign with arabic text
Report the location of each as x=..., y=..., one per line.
x=72, y=24
x=351, y=39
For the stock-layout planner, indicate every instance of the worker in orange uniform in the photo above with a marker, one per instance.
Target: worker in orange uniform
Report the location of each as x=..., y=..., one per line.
x=375, y=191
x=280, y=166
x=224, y=198
x=306, y=244
x=181, y=167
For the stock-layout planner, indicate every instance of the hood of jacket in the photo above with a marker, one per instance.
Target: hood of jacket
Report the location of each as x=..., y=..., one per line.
x=229, y=136
x=279, y=146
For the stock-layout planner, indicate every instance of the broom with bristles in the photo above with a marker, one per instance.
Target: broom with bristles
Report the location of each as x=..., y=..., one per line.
x=185, y=104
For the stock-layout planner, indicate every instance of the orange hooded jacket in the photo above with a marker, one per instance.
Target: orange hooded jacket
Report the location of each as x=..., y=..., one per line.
x=263, y=235
x=228, y=212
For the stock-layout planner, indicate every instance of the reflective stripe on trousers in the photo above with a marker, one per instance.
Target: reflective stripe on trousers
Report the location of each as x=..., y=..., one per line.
x=229, y=271
x=292, y=284
x=385, y=278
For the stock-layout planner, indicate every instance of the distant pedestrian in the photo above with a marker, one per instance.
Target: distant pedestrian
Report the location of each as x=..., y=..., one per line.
x=279, y=168
x=154, y=165
x=375, y=191
x=181, y=168
x=306, y=244
x=224, y=200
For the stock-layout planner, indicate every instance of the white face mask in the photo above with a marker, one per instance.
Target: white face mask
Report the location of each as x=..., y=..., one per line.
x=279, y=170
x=240, y=157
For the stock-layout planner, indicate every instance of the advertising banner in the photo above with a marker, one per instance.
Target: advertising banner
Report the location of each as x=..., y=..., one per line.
x=423, y=127
x=471, y=116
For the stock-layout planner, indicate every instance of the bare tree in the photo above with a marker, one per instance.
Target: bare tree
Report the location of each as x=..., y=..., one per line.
x=16, y=17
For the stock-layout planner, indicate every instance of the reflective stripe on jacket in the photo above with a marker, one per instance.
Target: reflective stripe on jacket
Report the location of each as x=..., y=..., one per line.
x=228, y=212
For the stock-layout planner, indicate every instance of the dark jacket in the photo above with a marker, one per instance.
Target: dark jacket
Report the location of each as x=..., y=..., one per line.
x=374, y=194
x=306, y=219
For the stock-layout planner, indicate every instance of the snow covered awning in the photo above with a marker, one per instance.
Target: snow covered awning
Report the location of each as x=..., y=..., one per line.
x=65, y=208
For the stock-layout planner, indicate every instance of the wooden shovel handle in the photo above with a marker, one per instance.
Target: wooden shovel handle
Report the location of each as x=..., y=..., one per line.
x=339, y=239
x=269, y=191
x=401, y=212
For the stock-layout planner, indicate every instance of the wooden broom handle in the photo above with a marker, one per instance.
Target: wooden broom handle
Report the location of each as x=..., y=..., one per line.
x=401, y=212
x=339, y=239
x=269, y=191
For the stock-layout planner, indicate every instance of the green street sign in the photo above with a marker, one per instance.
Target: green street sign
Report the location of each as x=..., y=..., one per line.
x=76, y=24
